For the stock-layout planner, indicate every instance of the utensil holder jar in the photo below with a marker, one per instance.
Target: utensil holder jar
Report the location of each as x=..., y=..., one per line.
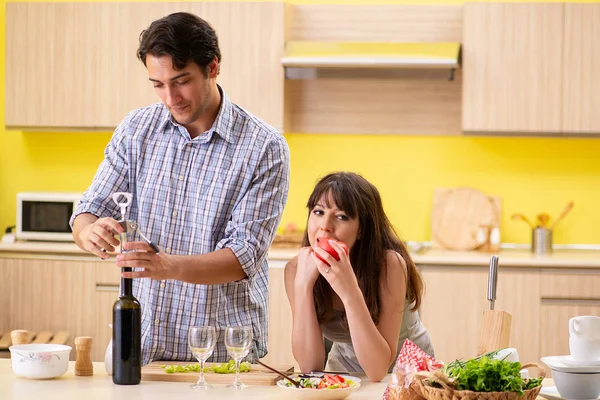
x=541, y=240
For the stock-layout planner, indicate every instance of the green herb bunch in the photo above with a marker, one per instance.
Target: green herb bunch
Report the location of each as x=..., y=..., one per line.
x=485, y=374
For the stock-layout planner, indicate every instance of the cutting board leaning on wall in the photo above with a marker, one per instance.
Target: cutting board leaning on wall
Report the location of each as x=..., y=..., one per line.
x=458, y=214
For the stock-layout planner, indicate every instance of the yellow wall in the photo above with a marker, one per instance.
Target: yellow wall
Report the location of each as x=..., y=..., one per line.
x=530, y=174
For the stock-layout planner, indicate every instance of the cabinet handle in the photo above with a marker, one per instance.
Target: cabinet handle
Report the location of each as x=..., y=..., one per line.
x=106, y=288
x=571, y=301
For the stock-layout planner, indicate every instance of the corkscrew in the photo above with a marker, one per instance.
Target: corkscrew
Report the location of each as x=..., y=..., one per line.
x=130, y=227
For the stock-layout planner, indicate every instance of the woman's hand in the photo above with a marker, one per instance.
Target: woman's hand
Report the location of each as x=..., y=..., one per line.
x=156, y=266
x=339, y=274
x=306, y=271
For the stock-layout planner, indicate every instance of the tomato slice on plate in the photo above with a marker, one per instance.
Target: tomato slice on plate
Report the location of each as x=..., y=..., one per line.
x=323, y=384
x=330, y=380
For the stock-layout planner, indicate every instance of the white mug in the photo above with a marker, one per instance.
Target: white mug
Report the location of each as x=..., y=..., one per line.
x=585, y=326
x=584, y=338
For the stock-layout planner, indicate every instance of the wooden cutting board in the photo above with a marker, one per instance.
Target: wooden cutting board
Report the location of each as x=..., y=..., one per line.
x=258, y=375
x=457, y=215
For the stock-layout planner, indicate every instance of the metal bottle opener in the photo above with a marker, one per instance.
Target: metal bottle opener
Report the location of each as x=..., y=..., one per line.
x=130, y=227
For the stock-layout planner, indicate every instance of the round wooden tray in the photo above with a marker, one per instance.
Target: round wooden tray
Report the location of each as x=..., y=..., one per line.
x=457, y=216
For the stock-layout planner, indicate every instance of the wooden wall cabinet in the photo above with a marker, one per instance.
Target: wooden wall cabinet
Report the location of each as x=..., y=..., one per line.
x=512, y=67
x=74, y=65
x=581, y=63
x=386, y=99
x=528, y=68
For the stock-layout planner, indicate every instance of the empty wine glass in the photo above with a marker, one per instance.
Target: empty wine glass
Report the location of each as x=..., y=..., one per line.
x=238, y=340
x=202, y=340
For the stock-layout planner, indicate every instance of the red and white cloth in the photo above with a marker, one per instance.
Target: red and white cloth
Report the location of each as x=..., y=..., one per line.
x=411, y=359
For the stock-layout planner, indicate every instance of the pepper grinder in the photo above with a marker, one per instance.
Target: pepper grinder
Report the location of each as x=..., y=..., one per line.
x=19, y=336
x=83, y=365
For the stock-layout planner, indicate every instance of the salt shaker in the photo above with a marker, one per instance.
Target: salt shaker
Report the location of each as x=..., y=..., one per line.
x=19, y=336
x=83, y=365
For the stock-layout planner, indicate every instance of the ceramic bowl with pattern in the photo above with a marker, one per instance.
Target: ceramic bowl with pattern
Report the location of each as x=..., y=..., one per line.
x=40, y=361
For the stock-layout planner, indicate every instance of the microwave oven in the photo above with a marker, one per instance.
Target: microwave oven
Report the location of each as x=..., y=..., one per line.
x=45, y=215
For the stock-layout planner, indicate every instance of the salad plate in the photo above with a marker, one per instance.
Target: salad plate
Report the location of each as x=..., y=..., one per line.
x=320, y=386
x=551, y=393
x=561, y=363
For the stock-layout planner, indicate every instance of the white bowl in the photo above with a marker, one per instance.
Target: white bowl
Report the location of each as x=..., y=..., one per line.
x=318, y=394
x=40, y=361
x=577, y=386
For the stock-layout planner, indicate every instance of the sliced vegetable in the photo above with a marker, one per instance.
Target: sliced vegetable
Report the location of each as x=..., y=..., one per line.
x=223, y=368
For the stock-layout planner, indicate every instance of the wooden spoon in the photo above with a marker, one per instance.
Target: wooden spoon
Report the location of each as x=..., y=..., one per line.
x=568, y=208
x=523, y=218
x=297, y=384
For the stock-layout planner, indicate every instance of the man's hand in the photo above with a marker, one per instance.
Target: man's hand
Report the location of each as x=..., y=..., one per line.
x=98, y=237
x=156, y=266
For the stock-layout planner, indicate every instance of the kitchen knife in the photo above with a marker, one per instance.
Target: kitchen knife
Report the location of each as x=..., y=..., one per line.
x=493, y=281
x=494, y=333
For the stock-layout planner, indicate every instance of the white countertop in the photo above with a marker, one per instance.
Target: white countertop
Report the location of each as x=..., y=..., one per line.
x=512, y=258
x=100, y=387
x=507, y=257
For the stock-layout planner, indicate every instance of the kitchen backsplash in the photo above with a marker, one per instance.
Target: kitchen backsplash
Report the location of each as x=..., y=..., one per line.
x=530, y=175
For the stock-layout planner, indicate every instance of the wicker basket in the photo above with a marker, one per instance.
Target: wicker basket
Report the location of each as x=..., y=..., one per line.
x=448, y=393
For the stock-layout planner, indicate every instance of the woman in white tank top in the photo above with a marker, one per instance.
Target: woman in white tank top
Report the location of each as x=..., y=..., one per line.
x=366, y=301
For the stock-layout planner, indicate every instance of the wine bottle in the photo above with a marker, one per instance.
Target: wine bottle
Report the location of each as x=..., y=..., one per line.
x=127, y=332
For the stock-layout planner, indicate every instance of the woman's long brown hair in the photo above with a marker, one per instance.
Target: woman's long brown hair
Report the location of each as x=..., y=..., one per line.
x=358, y=198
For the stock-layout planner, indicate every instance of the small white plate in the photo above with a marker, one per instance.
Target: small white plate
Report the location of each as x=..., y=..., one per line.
x=560, y=363
x=551, y=393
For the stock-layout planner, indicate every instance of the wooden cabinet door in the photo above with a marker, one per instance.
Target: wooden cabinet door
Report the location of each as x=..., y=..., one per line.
x=581, y=63
x=106, y=292
x=48, y=295
x=456, y=298
x=565, y=293
x=74, y=65
x=280, y=319
x=51, y=63
x=512, y=58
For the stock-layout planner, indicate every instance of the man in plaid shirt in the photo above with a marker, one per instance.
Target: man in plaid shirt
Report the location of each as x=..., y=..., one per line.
x=209, y=182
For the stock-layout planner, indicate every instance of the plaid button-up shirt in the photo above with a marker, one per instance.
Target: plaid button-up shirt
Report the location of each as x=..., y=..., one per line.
x=225, y=188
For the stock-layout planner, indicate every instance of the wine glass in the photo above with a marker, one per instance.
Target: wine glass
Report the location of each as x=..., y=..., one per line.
x=238, y=340
x=202, y=340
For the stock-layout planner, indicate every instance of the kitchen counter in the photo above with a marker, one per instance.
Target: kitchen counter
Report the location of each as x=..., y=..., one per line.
x=429, y=256
x=507, y=257
x=511, y=258
x=100, y=387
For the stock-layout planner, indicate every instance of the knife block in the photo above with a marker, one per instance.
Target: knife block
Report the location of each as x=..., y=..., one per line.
x=495, y=331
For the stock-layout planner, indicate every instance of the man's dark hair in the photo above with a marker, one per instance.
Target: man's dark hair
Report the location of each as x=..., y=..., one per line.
x=183, y=36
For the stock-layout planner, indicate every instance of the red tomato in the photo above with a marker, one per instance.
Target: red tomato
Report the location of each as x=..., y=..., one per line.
x=323, y=242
